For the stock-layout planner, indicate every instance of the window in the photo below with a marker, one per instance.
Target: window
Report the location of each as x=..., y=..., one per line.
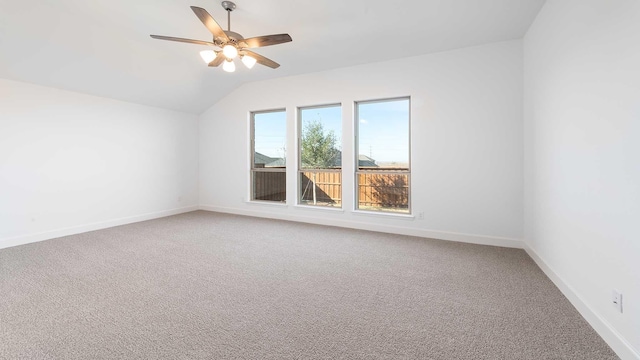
x=320, y=164
x=268, y=156
x=383, y=155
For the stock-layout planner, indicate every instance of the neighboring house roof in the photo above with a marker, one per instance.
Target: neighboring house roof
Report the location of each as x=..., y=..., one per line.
x=365, y=161
x=276, y=162
x=261, y=158
x=267, y=161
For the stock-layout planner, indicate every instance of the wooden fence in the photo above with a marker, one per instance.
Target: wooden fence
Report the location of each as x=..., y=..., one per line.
x=380, y=190
x=270, y=185
x=375, y=190
x=328, y=187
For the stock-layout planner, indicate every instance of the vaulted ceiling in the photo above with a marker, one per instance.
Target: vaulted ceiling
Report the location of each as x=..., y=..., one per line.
x=103, y=48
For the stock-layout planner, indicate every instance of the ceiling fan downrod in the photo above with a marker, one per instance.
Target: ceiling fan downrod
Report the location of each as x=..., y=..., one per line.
x=229, y=6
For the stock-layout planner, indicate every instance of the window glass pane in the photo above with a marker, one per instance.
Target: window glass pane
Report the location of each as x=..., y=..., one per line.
x=270, y=139
x=383, y=134
x=268, y=175
x=382, y=181
x=327, y=191
x=320, y=149
x=383, y=191
x=321, y=137
x=269, y=186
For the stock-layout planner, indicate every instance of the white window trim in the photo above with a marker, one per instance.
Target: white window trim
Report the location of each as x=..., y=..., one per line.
x=356, y=146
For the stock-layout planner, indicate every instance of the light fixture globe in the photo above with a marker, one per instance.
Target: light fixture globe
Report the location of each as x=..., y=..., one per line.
x=208, y=55
x=230, y=51
x=229, y=66
x=248, y=61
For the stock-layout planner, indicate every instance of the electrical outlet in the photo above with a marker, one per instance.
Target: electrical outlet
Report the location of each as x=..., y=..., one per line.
x=421, y=215
x=616, y=298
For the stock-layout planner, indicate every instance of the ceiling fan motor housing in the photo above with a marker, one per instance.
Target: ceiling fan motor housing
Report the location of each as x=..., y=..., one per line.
x=233, y=35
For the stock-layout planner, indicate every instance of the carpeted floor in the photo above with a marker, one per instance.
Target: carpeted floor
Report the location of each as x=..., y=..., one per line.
x=205, y=285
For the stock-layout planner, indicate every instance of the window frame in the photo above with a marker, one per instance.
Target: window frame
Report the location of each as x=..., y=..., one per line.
x=356, y=155
x=252, y=151
x=300, y=170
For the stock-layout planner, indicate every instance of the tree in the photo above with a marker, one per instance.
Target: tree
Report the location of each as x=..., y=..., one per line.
x=318, y=149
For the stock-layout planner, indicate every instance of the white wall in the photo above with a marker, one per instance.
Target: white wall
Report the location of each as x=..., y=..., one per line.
x=582, y=156
x=466, y=142
x=71, y=162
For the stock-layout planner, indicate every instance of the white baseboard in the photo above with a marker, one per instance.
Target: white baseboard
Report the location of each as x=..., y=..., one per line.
x=402, y=230
x=46, y=235
x=612, y=337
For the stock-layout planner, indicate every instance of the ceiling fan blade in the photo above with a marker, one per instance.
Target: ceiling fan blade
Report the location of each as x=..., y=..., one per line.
x=266, y=40
x=262, y=60
x=188, y=41
x=218, y=60
x=210, y=23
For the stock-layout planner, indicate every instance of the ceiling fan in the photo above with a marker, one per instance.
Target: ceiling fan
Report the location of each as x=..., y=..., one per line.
x=230, y=44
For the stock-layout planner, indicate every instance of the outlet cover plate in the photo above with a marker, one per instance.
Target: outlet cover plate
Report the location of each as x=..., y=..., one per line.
x=616, y=299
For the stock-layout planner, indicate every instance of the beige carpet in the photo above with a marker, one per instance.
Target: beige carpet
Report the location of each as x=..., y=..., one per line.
x=204, y=285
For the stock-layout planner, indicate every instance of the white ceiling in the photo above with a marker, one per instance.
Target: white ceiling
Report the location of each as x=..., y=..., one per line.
x=102, y=47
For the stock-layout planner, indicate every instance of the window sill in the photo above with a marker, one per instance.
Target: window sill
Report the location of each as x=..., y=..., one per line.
x=266, y=203
x=318, y=208
x=384, y=214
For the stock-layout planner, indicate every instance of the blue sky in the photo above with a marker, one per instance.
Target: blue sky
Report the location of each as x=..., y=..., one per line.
x=383, y=129
x=271, y=133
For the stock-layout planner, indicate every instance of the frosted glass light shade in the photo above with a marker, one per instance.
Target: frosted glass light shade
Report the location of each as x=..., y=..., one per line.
x=248, y=61
x=228, y=66
x=207, y=55
x=230, y=51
